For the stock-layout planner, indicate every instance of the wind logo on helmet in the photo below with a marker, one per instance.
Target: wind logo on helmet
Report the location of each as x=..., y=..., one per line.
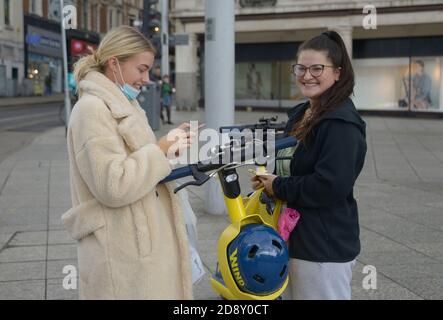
x=234, y=268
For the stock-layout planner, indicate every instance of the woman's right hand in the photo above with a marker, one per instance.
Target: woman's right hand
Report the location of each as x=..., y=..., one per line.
x=176, y=140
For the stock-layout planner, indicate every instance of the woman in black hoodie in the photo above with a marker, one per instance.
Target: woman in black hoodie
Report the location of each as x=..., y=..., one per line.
x=323, y=170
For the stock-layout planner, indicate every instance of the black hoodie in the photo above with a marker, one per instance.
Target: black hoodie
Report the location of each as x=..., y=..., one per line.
x=323, y=173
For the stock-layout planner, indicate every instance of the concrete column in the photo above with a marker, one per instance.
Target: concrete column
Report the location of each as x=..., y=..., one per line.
x=2, y=14
x=219, y=80
x=440, y=100
x=165, y=37
x=186, y=67
x=346, y=33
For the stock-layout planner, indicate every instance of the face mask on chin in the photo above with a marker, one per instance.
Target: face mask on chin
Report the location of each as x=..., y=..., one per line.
x=129, y=91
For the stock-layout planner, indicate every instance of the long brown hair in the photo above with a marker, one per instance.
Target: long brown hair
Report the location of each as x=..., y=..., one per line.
x=332, y=44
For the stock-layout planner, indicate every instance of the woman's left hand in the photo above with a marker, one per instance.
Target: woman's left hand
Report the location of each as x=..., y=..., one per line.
x=267, y=182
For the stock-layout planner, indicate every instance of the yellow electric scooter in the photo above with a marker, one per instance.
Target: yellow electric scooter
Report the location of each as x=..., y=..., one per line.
x=252, y=257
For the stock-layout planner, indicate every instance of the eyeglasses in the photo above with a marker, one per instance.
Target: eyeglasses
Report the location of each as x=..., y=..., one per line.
x=315, y=70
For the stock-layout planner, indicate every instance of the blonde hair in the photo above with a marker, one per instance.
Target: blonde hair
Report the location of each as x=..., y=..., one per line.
x=122, y=43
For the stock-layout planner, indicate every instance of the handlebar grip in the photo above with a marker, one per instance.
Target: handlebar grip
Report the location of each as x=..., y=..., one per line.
x=285, y=143
x=187, y=171
x=178, y=173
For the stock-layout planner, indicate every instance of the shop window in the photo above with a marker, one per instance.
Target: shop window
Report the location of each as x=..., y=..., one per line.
x=33, y=7
x=45, y=73
x=7, y=10
x=398, y=83
x=3, y=81
x=253, y=80
x=288, y=85
x=266, y=83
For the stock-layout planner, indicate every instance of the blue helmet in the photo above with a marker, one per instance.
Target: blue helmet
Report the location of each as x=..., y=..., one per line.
x=258, y=259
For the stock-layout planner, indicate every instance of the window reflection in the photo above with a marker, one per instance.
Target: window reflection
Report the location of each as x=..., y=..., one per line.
x=399, y=83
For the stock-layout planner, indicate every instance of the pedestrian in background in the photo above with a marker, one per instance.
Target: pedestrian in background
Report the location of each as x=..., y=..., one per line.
x=323, y=170
x=130, y=231
x=166, y=98
x=156, y=75
x=48, y=84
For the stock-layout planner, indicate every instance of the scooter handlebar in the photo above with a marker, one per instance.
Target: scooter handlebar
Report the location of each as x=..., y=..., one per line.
x=201, y=167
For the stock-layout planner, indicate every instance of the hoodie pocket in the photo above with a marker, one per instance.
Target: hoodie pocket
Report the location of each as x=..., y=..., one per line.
x=84, y=219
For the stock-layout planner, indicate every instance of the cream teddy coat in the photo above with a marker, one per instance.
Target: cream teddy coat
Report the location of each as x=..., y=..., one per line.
x=132, y=241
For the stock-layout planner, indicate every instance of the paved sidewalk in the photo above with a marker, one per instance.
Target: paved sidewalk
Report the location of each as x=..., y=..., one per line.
x=400, y=196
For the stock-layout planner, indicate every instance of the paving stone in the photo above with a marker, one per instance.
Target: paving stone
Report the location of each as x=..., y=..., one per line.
x=56, y=290
x=23, y=216
x=430, y=270
x=20, y=201
x=61, y=251
x=55, y=268
x=60, y=237
x=22, y=271
x=22, y=290
x=428, y=288
x=29, y=238
x=434, y=250
x=395, y=258
x=23, y=254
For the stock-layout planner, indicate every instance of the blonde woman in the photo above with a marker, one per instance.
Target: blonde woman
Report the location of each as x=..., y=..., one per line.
x=132, y=242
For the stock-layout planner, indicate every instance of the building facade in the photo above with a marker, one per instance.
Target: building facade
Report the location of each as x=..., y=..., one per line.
x=11, y=48
x=93, y=15
x=396, y=48
x=30, y=39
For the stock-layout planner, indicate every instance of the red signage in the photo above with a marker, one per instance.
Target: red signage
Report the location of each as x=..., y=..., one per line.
x=81, y=48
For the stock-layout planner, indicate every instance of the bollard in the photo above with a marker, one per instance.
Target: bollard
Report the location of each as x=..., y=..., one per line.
x=149, y=100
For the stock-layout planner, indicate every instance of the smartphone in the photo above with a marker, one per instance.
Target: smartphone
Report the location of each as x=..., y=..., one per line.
x=255, y=173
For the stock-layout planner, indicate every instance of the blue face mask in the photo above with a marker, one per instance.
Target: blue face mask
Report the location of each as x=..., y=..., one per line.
x=129, y=91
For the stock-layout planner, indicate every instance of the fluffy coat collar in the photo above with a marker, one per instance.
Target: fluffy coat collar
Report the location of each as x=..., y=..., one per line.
x=97, y=84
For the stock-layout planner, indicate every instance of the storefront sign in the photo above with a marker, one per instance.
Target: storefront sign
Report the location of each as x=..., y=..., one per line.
x=43, y=42
x=257, y=3
x=179, y=39
x=210, y=29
